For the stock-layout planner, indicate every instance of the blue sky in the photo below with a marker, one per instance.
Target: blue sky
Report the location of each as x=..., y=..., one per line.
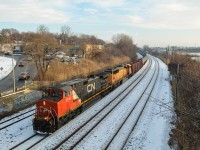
x=148, y=22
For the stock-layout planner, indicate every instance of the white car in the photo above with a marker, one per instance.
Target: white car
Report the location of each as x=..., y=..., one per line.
x=59, y=56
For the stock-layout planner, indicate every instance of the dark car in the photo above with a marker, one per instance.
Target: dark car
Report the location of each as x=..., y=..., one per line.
x=21, y=64
x=6, y=53
x=24, y=76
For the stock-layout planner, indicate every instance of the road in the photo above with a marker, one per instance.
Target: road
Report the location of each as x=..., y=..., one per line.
x=7, y=83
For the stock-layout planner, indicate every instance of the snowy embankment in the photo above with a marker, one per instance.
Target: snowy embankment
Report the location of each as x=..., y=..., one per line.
x=139, y=56
x=194, y=56
x=6, y=66
x=152, y=130
x=62, y=133
x=17, y=132
x=154, y=127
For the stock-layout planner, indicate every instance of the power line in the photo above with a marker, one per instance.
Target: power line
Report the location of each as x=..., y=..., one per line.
x=172, y=109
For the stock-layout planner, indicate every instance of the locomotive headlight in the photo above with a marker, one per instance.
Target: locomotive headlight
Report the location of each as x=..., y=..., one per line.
x=46, y=118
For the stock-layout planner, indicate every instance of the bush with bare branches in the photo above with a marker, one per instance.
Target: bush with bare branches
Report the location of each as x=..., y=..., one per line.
x=186, y=133
x=60, y=71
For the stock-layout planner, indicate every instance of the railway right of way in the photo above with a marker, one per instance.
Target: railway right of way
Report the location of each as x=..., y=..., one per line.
x=72, y=128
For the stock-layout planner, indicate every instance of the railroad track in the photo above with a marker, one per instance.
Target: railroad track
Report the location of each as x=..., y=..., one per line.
x=34, y=139
x=14, y=116
x=130, y=122
x=13, y=120
x=77, y=138
x=71, y=139
x=24, y=141
x=29, y=142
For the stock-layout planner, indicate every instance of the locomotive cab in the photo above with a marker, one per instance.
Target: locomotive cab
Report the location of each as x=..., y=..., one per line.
x=46, y=119
x=55, y=103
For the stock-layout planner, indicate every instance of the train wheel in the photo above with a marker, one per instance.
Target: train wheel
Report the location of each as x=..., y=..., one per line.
x=80, y=110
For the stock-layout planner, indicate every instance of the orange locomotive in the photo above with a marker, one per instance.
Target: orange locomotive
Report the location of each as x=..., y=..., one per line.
x=62, y=103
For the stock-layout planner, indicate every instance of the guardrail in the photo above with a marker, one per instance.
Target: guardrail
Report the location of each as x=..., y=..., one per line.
x=11, y=92
x=4, y=96
x=18, y=100
x=33, y=85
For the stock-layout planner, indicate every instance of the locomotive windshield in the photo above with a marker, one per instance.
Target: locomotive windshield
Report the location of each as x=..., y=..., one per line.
x=53, y=94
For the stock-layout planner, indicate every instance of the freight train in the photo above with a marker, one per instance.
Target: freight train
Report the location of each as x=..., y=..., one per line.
x=64, y=102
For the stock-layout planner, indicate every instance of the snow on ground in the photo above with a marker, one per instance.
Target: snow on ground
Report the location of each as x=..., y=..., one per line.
x=194, y=56
x=153, y=129
x=139, y=56
x=16, y=133
x=62, y=133
x=100, y=137
x=6, y=66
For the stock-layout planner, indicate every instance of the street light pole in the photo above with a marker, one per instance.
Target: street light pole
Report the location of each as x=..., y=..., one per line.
x=13, y=72
x=45, y=52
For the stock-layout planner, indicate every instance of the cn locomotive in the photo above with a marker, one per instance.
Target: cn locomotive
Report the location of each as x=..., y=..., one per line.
x=64, y=102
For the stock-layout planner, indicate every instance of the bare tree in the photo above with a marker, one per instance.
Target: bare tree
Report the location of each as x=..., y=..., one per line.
x=42, y=30
x=39, y=45
x=90, y=39
x=186, y=85
x=65, y=34
x=13, y=34
x=125, y=43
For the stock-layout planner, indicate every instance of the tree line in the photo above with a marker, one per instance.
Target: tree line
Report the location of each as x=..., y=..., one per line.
x=38, y=44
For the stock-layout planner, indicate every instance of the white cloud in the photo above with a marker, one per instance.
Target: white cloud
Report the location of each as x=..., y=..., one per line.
x=31, y=11
x=104, y=3
x=165, y=15
x=91, y=10
x=150, y=14
x=137, y=20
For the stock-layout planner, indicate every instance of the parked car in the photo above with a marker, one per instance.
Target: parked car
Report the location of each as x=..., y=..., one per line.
x=17, y=52
x=7, y=53
x=49, y=56
x=59, y=56
x=24, y=76
x=29, y=58
x=21, y=64
x=65, y=59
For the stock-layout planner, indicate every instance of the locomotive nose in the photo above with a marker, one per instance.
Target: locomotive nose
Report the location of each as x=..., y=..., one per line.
x=43, y=126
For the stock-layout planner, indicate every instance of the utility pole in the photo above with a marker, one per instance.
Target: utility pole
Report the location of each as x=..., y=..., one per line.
x=44, y=56
x=173, y=55
x=167, y=53
x=13, y=70
x=166, y=56
x=177, y=83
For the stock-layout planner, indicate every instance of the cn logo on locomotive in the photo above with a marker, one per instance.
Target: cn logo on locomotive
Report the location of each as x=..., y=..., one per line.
x=90, y=87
